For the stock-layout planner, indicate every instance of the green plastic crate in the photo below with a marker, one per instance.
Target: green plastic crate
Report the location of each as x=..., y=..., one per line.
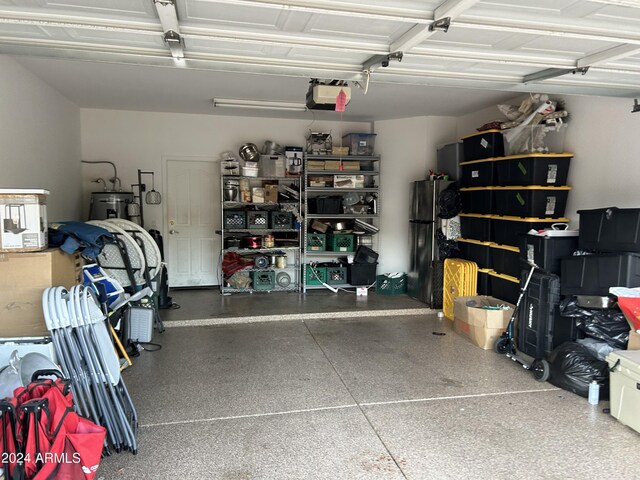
x=341, y=242
x=316, y=242
x=391, y=284
x=264, y=280
x=315, y=275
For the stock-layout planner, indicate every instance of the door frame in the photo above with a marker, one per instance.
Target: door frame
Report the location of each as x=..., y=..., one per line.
x=165, y=184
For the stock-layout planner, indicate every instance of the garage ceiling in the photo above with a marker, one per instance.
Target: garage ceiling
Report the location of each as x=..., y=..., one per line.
x=491, y=50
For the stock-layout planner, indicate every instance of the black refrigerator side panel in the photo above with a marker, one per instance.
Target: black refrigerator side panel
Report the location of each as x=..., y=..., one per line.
x=420, y=277
x=422, y=206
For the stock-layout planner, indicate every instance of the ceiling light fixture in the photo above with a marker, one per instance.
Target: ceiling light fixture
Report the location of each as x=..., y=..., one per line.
x=169, y=20
x=259, y=104
x=552, y=73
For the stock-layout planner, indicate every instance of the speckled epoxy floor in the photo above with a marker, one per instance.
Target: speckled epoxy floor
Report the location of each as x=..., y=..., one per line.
x=356, y=398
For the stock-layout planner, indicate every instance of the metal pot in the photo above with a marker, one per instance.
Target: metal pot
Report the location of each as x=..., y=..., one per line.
x=249, y=152
x=272, y=148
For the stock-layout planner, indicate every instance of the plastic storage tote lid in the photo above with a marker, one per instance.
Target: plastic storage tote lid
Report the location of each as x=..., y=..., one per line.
x=536, y=155
x=475, y=215
x=475, y=189
x=486, y=270
x=471, y=162
x=508, y=278
x=477, y=242
x=529, y=219
x=23, y=191
x=505, y=247
x=482, y=133
x=532, y=187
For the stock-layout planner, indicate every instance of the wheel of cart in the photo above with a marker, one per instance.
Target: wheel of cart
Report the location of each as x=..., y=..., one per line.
x=541, y=369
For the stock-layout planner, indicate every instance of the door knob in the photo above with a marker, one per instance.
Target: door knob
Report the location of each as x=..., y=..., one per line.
x=173, y=231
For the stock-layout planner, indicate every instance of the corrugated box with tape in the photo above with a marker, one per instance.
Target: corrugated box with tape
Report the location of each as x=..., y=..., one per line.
x=23, y=277
x=480, y=319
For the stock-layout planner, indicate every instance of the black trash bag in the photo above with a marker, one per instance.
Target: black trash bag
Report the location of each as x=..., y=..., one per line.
x=446, y=248
x=606, y=324
x=573, y=368
x=450, y=201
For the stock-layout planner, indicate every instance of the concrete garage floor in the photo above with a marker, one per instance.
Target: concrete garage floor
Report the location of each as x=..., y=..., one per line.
x=355, y=398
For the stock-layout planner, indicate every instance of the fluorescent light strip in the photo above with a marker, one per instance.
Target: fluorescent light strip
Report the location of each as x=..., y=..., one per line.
x=259, y=104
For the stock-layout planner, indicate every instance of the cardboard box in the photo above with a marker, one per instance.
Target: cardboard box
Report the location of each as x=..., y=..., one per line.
x=271, y=193
x=23, y=278
x=332, y=164
x=481, y=326
x=23, y=220
x=320, y=181
x=634, y=340
x=348, y=181
x=315, y=165
x=351, y=167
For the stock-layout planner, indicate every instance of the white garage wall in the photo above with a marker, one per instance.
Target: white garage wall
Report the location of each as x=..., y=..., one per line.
x=139, y=140
x=601, y=133
x=408, y=150
x=40, y=138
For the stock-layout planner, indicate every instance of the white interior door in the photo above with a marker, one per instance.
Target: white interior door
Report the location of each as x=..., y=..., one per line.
x=192, y=216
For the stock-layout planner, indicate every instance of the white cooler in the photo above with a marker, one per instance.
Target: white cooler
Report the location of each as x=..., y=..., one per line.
x=625, y=386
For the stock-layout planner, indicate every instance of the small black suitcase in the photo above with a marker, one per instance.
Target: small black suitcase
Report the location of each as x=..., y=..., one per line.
x=540, y=328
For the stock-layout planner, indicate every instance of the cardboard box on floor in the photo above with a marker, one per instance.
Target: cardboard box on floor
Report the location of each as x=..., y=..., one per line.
x=23, y=278
x=481, y=326
x=634, y=340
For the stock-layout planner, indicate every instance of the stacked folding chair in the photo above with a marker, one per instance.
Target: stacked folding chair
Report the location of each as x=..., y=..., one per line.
x=87, y=357
x=44, y=438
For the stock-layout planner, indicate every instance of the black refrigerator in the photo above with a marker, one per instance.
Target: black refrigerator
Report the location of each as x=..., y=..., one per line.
x=424, y=279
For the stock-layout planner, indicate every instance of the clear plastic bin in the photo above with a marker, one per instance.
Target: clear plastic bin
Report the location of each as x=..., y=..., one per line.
x=360, y=143
x=535, y=139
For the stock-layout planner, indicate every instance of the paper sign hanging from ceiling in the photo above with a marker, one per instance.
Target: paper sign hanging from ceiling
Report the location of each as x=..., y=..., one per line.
x=341, y=101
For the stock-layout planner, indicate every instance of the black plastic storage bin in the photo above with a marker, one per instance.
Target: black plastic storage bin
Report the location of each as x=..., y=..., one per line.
x=361, y=274
x=532, y=201
x=546, y=251
x=504, y=287
x=485, y=144
x=484, y=281
x=505, y=259
x=478, y=173
x=477, y=200
x=594, y=274
x=540, y=328
x=476, y=251
x=365, y=255
x=476, y=226
x=324, y=205
x=507, y=229
x=533, y=169
x=610, y=229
